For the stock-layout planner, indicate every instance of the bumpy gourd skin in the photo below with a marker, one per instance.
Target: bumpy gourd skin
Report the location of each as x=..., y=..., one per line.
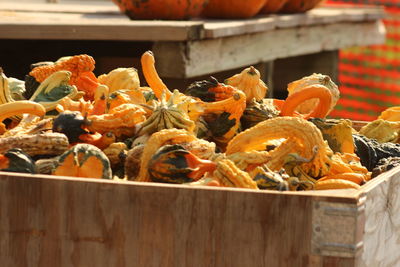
x=338, y=133
x=81, y=68
x=381, y=130
x=249, y=81
x=299, y=130
x=314, y=79
x=226, y=112
x=370, y=151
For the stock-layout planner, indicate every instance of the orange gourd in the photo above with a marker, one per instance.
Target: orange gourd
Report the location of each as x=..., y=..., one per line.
x=161, y=9
x=83, y=160
x=272, y=6
x=357, y=178
x=313, y=91
x=298, y=6
x=233, y=8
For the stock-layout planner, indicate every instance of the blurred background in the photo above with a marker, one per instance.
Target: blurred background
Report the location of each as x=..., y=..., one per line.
x=369, y=76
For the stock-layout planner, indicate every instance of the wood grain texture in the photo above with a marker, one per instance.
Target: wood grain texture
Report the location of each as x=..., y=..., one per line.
x=104, y=22
x=214, y=55
x=49, y=221
x=61, y=221
x=382, y=226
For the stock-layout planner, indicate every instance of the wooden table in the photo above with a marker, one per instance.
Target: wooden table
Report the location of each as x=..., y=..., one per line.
x=194, y=48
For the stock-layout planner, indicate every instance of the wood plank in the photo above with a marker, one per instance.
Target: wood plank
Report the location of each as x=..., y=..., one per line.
x=382, y=226
x=72, y=26
x=210, y=56
x=65, y=7
x=43, y=22
x=223, y=28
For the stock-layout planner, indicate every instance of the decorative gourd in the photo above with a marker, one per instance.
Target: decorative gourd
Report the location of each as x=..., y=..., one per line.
x=152, y=78
x=320, y=92
x=81, y=68
x=238, y=9
x=133, y=161
x=390, y=114
x=272, y=6
x=100, y=104
x=161, y=9
x=228, y=174
x=249, y=81
x=335, y=184
x=357, y=178
x=381, y=130
x=298, y=6
x=193, y=107
x=314, y=79
x=16, y=160
x=207, y=90
x=20, y=107
x=72, y=124
x=120, y=97
x=268, y=179
x=338, y=134
x=101, y=141
x=83, y=160
x=222, y=109
x=298, y=131
x=53, y=89
x=370, y=151
x=121, y=120
x=5, y=91
x=120, y=78
x=167, y=115
x=11, y=89
x=258, y=111
x=174, y=164
x=36, y=144
x=116, y=153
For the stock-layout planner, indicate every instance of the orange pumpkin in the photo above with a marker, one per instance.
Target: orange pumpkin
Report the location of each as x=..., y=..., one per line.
x=272, y=6
x=237, y=9
x=298, y=6
x=161, y=9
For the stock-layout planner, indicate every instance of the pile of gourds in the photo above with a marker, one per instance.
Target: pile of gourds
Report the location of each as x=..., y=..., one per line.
x=64, y=120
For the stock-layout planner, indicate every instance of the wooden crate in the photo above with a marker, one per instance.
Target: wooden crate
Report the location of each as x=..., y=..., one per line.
x=61, y=221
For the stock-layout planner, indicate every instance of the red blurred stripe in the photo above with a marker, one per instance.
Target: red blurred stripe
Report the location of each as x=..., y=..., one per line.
x=369, y=58
x=386, y=48
x=394, y=36
x=345, y=90
x=383, y=86
x=360, y=105
x=382, y=73
x=346, y=114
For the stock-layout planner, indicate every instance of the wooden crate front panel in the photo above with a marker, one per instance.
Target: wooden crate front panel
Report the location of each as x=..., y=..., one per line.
x=71, y=222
